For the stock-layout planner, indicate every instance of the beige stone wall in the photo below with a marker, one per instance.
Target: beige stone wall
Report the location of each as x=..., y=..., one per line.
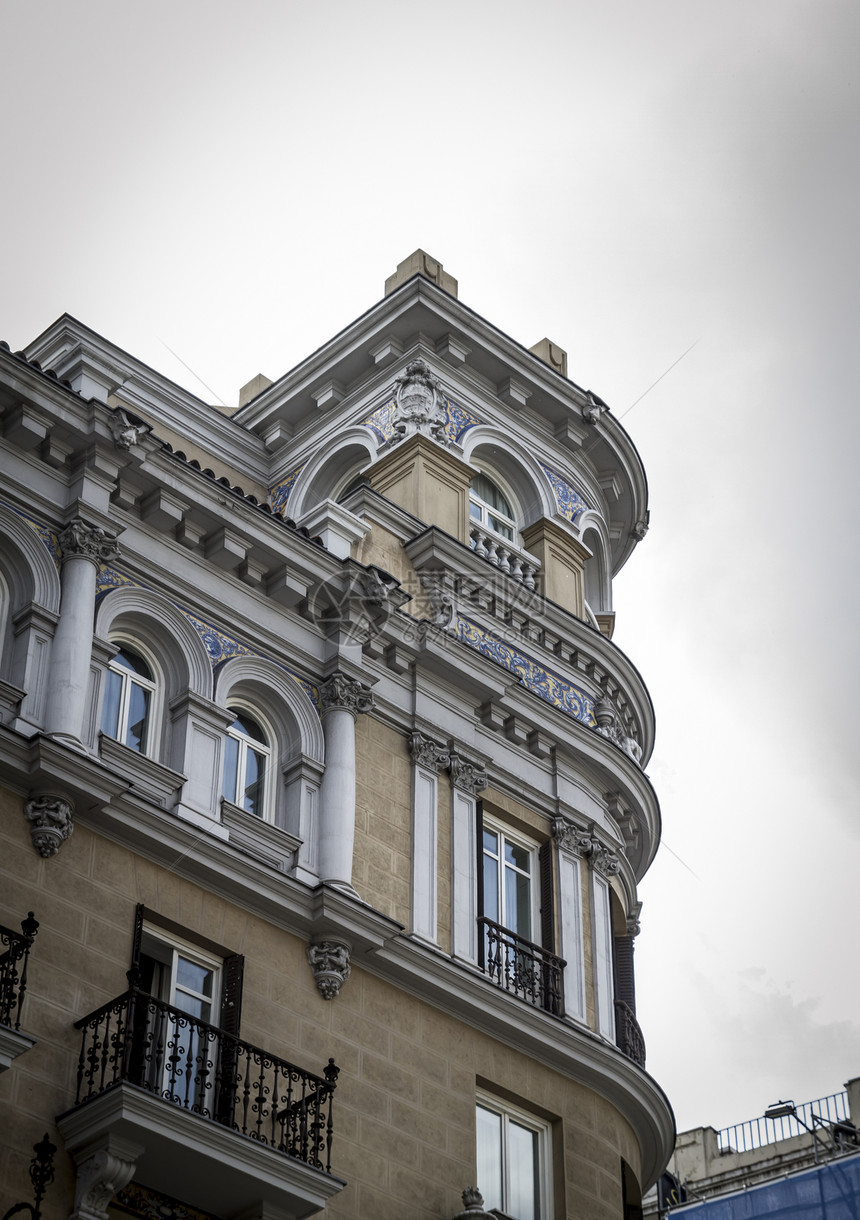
x=384, y=549
x=382, y=861
x=404, y=1108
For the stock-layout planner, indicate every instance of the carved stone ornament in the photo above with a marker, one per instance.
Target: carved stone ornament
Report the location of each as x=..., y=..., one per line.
x=633, y=925
x=585, y=843
x=468, y=776
x=125, y=433
x=50, y=819
x=341, y=691
x=98, y=1180
x=440, y=597
x=329, y=960
x=418, y=405
x=593, y=408
x=80, y=540
x=572, y=838
x=640, y=529
x=473, y=1202
x=608, y=727
x=426, y=753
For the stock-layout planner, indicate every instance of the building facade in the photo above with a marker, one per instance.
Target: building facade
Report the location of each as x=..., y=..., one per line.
x=323, y=781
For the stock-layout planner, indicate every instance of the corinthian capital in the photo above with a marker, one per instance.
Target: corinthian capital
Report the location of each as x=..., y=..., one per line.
x=572, y=838
x=341, y=691
x=50, y=819
x=80, y=540
x=466, y=775
x=426, y=753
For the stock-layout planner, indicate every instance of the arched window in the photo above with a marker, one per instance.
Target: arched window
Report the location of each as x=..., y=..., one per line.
x=128, y=698
x=247, y=756
x=490, y=507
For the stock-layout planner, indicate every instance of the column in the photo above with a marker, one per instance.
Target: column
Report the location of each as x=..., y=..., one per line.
x=467, y=780
x=343, y=698
x=427, y=757
x=84, y=548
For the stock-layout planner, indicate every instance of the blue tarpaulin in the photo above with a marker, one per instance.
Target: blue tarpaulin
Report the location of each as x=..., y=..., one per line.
x=830, y=1192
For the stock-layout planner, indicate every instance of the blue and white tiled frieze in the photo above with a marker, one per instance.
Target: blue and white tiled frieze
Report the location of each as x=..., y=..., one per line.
x=280, y=494
x=458, y=421
x=543, y=682
x=219, y=646
x=570, y=503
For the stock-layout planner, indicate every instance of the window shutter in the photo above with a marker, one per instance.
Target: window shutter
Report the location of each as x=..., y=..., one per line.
x=547, y=912
x=231, y=994
x=625, y=983
x=136, y=938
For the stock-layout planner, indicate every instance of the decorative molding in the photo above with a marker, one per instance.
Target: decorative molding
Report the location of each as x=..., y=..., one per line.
x=458, y=419
x=329, y=960
x=473, y=1202
x=469, y=777
x=98, y=1179
x=640, y=529
x=342, y=691
x=633, y=925
x=80, y=540
x=50, y=820
x=426, y=753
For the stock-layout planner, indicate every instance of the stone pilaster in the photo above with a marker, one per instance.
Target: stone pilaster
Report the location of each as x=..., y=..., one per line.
x=342, y=699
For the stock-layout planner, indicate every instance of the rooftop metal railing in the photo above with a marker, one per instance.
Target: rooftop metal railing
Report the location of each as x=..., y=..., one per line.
x=759, y=1132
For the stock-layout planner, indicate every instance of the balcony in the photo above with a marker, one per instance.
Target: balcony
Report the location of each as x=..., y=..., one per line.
x=628, y=1033
x=199, y=1114
x=14, y=955
x=521, y=968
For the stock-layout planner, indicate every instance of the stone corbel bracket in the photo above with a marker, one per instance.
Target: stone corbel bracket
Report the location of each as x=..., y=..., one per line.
x=585, y=843
x=49, y=818
x=329, y=960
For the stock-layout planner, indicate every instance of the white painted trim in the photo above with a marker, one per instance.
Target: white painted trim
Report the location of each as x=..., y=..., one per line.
x=425, y=833
x=602, y=935
x=571, y=949
x=464, y=857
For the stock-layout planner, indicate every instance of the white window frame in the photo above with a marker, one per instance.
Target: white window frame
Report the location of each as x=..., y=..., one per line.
x=543, y=1169
x=505, y=833
x=486, y=510
x=604, y=984
x=178, y=948
x=267, y=811
x=127, y=680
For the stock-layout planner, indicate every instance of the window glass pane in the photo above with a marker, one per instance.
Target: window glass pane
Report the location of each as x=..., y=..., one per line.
x=246, y=725
x=501, y=527
x=193, y=976
x=518, y=914
x=475, y=510
x=255, y=770
x=489, y=1145
x=231, y=767
x=138, y=711
x=491, y=842
x=487, y=491
x=523, y=1199
x=110, y=707
x=133, y=662
x=491, y=889
x=518, y=856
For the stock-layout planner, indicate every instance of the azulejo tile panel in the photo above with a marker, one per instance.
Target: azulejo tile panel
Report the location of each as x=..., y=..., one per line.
x=543, y=682
x=219, y=646
x=570, y=502
x=382, y=421
x=280, y=494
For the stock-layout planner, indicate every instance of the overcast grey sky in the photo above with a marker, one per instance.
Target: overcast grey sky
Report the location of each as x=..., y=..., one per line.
x=235, y=182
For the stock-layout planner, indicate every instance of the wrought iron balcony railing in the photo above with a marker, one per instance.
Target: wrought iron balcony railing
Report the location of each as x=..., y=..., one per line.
x=143, y=1041
x=528, y=971
x=628, y=1033
x=14, y=954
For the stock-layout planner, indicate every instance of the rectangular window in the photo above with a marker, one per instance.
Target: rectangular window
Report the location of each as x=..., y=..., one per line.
x=512, y=1161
